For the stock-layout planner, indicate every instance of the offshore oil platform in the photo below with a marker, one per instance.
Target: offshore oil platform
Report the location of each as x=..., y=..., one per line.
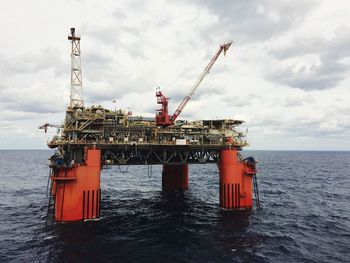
x=92, y=137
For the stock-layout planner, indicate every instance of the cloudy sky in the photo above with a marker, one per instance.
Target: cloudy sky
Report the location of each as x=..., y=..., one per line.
x=286, y=75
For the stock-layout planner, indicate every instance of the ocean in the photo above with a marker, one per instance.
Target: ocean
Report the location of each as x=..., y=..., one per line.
x=305, y=214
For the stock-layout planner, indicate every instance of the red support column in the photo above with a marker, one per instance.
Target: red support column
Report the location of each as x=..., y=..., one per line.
x=77, y=190
x=175, y=177
x=235, y=183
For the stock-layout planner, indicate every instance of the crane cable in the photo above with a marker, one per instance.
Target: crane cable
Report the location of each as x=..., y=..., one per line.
x=181, y=76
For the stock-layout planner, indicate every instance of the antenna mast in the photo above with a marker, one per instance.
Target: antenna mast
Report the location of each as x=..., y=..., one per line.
x=76, y=92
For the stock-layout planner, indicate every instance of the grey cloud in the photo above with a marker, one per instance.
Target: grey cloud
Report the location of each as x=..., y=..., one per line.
x=9, y=116
x=344, y=123
x=325, y=75
x=106, y=35
x=294, y=129
x=117, y=85
x=31, y=106
x=113, y=35
x=253, y=20
x=292, y=102
x=266, y=121
x=35, y=62
x=95, y=92
x=132, y=30
x=211, y=85
x=29, y=101
x=6, y=126
x=237, y=101
x=93, y=58
x=176, y=95
x=240, y=100
x=149, y=109
x=296, y=47
x=119, y=13
x=308, y=81
x=308, y=127
x=137, y=52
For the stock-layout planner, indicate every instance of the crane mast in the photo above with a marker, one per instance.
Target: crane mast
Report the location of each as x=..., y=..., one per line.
x=162, y=117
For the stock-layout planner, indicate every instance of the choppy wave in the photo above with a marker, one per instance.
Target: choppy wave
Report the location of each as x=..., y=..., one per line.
x=305, y=215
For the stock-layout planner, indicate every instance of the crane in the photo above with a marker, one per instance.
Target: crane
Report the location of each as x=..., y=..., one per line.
x=162, y=116
x=47, y=125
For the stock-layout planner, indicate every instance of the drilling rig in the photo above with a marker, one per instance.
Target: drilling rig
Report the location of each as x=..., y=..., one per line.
x=92, y=137
x=162, y=117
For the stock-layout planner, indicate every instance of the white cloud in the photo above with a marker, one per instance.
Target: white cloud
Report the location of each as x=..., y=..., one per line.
x=286, y=73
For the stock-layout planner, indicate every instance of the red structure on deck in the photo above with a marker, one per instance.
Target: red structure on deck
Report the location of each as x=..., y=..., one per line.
x=162, y=116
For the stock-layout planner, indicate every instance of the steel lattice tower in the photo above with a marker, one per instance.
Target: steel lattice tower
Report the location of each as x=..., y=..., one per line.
x=76, y=93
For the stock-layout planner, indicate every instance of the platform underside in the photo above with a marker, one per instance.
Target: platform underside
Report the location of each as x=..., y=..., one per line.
x=149, y=154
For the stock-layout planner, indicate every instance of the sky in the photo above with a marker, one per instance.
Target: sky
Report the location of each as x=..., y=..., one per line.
x=286, y=74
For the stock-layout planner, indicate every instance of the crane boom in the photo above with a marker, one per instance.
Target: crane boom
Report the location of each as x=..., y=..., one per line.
x=47, y=125
x=182, y=105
